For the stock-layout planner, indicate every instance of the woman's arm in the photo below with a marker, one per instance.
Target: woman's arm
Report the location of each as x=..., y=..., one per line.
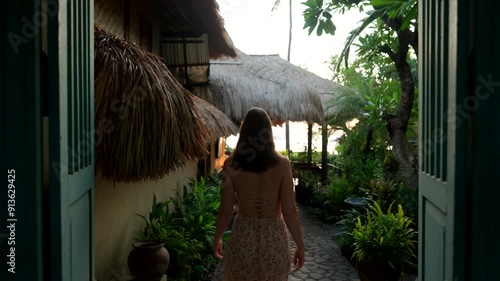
x=225, y=212
x=290, y=214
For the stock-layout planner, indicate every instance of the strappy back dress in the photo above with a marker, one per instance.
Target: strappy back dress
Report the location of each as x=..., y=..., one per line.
x=258, y=246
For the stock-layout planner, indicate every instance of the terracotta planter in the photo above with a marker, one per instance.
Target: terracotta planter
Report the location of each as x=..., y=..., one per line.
x=377, y=271
x=148, y=260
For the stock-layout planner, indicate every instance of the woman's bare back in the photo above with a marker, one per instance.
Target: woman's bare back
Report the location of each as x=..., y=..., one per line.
x=259, y=194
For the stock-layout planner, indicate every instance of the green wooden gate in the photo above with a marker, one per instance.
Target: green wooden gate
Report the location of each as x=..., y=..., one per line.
x=442, y=86
x=71, y=92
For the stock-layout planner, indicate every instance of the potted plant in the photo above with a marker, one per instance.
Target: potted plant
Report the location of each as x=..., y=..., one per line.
x=148, y=260
x=383, y=243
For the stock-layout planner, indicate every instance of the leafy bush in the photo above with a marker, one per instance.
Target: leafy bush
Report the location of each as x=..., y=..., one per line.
x=188, y=230
x=359, y=171
x=328, y=202
x=345, y=238
x=385, y=236
x=385, y=192
x=307, y=184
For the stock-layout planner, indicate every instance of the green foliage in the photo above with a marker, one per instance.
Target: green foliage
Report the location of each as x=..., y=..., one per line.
x=385, y=192
x=347, y=223
x=188, y=230
x=318, y=15
x=385, y=236
x=318, y=18
x=301, y=156
x=359, y=170
x=409, y=199
x=344, y=107
x=196, y=210
x=328, y=202
x=307, y=184
x=380, y=51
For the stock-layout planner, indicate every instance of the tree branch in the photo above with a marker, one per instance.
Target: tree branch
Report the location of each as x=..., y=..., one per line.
x=410, y=37
x=387, y=50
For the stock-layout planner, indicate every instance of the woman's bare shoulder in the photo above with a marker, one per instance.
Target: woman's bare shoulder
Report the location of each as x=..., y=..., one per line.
x=283, y=161
x=229, y=164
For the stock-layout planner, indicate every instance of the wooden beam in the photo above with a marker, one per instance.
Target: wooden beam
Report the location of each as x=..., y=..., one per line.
x=324, y=153
x=309, y=142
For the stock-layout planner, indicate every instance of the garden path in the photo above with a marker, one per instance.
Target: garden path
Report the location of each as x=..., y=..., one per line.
x=323, y=261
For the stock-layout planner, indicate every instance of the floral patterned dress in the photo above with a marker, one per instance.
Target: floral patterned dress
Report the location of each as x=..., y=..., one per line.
x=258, y=250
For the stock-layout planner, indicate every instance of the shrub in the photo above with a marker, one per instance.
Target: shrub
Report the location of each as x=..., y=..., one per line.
x=188, y=230
x=385, y=192
x=345, y=238
x=384, y=237
x=307, y=184
x=328, y=202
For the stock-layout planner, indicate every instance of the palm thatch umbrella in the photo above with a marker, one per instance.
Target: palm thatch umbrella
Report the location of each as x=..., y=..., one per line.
x=236, y=85
x=150, y=125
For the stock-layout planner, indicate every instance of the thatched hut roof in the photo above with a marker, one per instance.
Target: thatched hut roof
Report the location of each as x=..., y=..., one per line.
x=187, y=16
x=318, y=84
x=217, y=123
x=285, y=91
x=149, y=124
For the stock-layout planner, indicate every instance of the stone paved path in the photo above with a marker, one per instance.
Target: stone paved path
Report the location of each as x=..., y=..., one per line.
x=323, y=261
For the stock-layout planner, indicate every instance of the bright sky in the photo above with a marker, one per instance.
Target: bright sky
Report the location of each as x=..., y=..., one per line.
x=256, y=29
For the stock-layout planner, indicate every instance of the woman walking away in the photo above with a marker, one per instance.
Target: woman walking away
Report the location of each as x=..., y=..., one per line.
x=260, y=181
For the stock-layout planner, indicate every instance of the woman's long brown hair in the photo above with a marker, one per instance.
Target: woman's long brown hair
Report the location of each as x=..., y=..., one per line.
x=255, y=151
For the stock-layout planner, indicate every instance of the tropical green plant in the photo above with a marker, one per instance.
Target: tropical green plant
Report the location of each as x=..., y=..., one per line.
x=383, y=191
x=392, y=38
x=187, y=230
x=196, y=210
x=359, y=171
x=307, y=184
x=345, y=238
x=328, y=202
x=384, y=237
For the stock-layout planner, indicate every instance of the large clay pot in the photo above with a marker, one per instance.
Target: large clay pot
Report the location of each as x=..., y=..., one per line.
x=377, y=271
x=148, y=261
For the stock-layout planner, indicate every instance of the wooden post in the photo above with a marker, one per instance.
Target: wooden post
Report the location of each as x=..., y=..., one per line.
x=324, y=153
x=287, y=138
x=309, y=142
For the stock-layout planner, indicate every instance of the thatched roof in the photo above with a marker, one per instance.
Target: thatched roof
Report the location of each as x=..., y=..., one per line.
x=318, y=84
x=150, y=124
x=285, y=91
x=216, y=122
x=187, y=16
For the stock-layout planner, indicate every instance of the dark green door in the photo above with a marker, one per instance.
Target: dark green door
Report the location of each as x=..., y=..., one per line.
x=71, y=115
x=442, y=81
x=21, y=233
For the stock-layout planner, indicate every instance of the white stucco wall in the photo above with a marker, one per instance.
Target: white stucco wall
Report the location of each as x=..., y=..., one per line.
x=115, y=220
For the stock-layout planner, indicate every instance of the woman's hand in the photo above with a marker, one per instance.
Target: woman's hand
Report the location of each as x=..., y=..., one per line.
x=217, y=249
x=298, y=259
